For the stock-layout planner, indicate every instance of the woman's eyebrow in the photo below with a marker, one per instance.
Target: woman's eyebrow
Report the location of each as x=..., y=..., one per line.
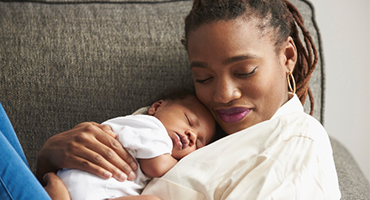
x=239, y=58
x=198, y=64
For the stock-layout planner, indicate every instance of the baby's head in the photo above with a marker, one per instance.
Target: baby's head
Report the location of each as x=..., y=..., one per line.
x=188, y=123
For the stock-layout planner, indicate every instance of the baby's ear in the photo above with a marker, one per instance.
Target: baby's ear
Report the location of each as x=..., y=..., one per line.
x=154, y=107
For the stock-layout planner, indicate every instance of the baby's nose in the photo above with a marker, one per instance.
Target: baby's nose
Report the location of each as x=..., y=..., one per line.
x=192, y=137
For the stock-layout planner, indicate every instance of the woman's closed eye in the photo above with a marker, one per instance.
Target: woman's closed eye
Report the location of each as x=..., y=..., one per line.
x=198, y=80
x=244, y=75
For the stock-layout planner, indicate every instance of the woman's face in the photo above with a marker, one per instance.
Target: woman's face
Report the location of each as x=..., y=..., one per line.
x=238, y=73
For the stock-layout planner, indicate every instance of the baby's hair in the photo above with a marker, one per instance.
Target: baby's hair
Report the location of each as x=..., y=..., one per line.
x=281, y=15
x=177, y=93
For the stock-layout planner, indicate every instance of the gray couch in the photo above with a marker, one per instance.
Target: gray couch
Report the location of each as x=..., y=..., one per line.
x=69, y=61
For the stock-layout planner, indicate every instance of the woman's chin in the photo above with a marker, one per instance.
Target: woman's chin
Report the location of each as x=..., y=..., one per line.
x=231, y=128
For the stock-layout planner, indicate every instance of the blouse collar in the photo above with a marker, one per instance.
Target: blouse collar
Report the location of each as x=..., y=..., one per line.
x=292, y=105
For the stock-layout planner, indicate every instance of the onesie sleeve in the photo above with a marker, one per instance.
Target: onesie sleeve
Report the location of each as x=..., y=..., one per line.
x=145, y=135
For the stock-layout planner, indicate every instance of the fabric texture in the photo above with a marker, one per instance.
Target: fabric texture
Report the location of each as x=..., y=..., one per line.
x=144, y=137
x=14, y=170
x=286, y=157
x=63, y=62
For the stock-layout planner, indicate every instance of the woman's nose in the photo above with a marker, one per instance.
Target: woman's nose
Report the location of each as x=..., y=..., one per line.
x=226, y=91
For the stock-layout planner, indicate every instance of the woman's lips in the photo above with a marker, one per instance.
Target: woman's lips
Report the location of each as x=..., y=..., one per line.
x=232, y=115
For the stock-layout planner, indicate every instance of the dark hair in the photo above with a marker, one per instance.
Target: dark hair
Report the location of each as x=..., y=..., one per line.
x=176, y=93
x=281, y=15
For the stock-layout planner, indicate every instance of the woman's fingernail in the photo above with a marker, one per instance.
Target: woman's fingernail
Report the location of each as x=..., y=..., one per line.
x=131, y=176
x=122, y=177
x=107, y=174
x=112, y=133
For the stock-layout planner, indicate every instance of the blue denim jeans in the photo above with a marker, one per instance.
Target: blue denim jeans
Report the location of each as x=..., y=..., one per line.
x=17, y=182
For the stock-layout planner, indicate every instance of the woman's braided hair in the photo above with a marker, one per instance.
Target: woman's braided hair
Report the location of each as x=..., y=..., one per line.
x=281, y=15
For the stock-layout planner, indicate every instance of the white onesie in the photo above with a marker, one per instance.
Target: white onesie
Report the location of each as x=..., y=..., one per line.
x=144, y=136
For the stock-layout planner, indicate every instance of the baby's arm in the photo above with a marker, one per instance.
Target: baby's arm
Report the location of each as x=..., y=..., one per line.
x=158, y=166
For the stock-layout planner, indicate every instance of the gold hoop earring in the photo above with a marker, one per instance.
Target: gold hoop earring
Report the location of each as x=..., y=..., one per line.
x=292, y=89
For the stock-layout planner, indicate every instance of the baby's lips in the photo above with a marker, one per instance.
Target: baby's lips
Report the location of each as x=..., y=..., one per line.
x=184, y=141
x=177, y=141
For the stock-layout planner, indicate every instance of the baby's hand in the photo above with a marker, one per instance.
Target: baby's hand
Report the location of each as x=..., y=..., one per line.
x=55, y=187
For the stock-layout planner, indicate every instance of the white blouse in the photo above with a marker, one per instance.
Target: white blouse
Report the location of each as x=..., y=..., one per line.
x=286, y=157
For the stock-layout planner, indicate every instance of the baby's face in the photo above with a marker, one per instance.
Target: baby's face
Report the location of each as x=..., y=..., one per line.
x=189, y=124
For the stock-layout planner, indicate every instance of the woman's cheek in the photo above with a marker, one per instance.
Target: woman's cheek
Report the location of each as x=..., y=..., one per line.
x=204, y=94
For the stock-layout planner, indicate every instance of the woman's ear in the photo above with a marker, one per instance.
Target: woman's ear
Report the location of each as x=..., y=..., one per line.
x=290, y=53
x=154, y=107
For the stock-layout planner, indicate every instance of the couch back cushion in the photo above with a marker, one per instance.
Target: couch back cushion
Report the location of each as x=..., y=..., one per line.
x=66, y=62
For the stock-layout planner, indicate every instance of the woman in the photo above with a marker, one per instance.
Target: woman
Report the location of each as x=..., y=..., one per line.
x=245, y=56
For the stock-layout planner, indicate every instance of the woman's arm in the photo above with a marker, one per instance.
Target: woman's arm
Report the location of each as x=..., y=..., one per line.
x=89, y=146
x=158, y=166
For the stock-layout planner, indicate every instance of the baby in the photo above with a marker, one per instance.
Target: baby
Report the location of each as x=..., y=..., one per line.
x=170, y=130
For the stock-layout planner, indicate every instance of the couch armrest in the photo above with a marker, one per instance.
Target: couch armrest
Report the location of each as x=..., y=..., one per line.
x=352, y=182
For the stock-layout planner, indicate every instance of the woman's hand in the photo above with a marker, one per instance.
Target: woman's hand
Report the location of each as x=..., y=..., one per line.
x=55, y=187
x=89, y=146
